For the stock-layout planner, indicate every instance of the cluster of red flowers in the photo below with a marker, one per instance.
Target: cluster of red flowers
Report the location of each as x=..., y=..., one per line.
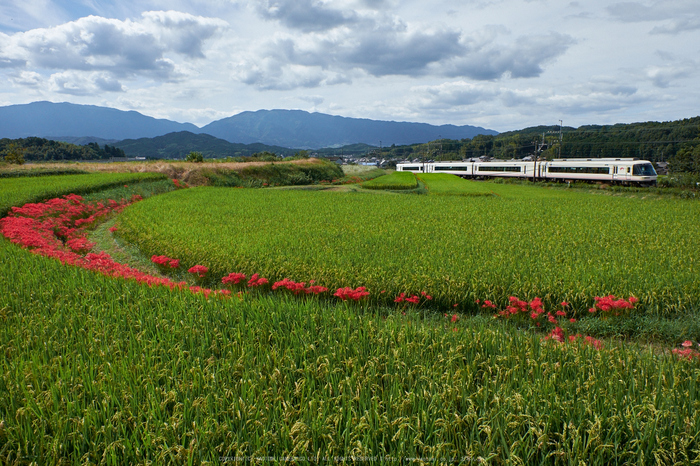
x=558, y=334
x=348, y=293
x=535, y=312
x=687, y=352
x=533, y=309
x=299, y=287
x=486, y=304
x=612, y=305
x=165, y=261
x=415, y=299
x=233, y=278
x=179, y=185
x=198, y=270
x=256, y=280
x=55, y=228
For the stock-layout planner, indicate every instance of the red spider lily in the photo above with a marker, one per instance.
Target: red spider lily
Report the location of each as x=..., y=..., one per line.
x=256, y=280
x=687, y=353
x=687, y=343
x=400, y=298
x=291, y=285
x=488, y=305
x=557, y=334
x=454, y=318
x=299, y=287
x=348, y=293
x=80, y=245
x=113, y=229
x=165, y=261
x=199, y=270
x=233, y=278
x=413, y=299
x=316, y=289
x=534, y=309
x=612, y=305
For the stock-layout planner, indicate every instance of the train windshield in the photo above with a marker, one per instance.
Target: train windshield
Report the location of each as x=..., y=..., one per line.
x=644, y=169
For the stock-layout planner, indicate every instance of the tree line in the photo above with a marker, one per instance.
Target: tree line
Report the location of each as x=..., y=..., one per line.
x=34, y=149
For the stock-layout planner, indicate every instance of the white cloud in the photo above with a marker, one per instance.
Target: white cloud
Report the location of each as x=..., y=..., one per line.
x=82, y=84
x=120, y=48
x=662, y=76
x=680, y=15
x=451, y=94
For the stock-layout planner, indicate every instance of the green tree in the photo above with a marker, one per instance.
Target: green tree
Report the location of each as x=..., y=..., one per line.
x=196, y=157
x=14, y=154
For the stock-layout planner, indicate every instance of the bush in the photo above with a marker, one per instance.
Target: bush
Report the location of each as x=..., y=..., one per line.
x=195, y=157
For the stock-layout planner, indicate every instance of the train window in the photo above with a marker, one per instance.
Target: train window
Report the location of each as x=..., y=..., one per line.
x=644, y=169
x=443, y=168
x=588, y=170
x=410, y=168
x=628, y=169
x=499, y=169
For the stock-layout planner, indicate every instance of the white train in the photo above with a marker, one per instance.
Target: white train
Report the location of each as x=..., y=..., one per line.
x=615, y=171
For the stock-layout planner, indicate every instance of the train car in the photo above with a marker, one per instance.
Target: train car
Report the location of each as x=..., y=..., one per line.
x=616, y=171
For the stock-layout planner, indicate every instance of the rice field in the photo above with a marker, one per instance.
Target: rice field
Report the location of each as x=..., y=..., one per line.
x=446, y=184
x=395, y=180
x=98, y=370
x=556, y=244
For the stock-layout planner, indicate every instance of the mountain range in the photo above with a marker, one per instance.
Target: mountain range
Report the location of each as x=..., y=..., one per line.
x=284, y=128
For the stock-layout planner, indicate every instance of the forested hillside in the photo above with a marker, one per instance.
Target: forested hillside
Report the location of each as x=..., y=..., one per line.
x=676, y=142
x=177, y=145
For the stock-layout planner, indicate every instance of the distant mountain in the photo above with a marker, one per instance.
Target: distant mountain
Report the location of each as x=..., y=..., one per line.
x=296, y=128
x=178, y=145
x=62, y=120
x=282, y=128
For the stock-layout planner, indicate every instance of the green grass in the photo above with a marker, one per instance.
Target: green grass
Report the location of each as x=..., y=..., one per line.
x=555, y=244
x=393, y=181
x=446, y=184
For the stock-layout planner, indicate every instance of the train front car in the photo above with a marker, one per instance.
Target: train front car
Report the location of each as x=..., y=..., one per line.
x=643, y=173
x=624, y=171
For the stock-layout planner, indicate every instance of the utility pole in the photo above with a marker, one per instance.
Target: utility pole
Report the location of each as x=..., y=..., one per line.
x=560, y=137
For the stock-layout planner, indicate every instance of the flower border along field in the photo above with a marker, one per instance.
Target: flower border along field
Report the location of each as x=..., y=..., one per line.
x=104, y=370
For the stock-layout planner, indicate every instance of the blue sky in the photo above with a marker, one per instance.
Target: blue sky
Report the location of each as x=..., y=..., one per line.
x=501, y=64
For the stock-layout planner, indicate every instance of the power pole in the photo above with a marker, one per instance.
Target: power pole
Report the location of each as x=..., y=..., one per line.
x=560, y=137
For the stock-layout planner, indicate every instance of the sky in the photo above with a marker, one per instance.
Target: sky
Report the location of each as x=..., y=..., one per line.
x=500, y=64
